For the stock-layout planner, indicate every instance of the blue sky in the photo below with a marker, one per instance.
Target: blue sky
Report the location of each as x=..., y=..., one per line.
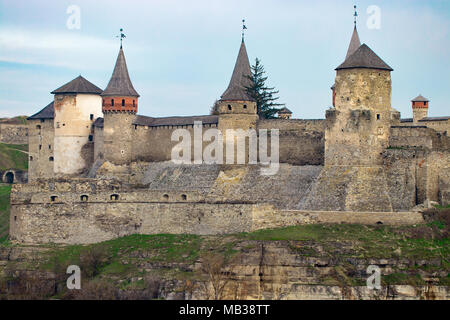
x=180, y=54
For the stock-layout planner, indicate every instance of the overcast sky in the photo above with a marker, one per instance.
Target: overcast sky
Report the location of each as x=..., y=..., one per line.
x=181, y=54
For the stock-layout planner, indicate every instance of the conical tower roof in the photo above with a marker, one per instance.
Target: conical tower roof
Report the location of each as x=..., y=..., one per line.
x=239, y=80
x=354, y=43
x=364, y=57
x=78, y=85
x=420, y=98
x=120, y=83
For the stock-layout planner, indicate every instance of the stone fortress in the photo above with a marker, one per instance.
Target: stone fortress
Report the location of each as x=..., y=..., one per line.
x=98, y=170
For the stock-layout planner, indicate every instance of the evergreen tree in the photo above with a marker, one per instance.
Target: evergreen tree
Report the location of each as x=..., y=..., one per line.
x=265, y=97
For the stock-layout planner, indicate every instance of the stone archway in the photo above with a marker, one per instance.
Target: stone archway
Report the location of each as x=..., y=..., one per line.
x=9, y=177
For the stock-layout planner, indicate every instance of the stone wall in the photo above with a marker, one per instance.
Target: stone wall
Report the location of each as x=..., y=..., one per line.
x=93, y=210
x=13, y=133
x=358, y=127
x=41, y=149
x=74, y=117
x=302, y=142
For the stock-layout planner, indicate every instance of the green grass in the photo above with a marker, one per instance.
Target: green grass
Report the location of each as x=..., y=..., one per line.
x=358, y=241
x=5, y=191
x=120, y=253
x=12, y=157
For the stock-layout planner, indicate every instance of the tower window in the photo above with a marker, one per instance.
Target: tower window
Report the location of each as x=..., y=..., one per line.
x=31, y=158
x=38, y=127
x=40, y=146
x=229, y=107
x=123, y=102
x=49, y=146
x=183, y=197
x=51, y=159
x=378, y=116
x=133, y=104
x=91, y=117
x=114, y=197
x=245, y=106
x=112, y=102
x=91, y=138
x=53, y=198
x=166, y=197
x=84, y=198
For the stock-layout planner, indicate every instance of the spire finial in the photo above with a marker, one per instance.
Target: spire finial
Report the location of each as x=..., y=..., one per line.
x=121, y=36
x=244, y=27
x=356, y=14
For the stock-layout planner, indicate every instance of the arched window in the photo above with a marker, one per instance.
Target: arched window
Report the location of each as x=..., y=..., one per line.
x=53, y=198
x=31, y=158
x=112, y=102
x=84, y=198
x=38, y=127
x=229, y=107
x=51, y=159
x=245, y=106
x=183, y=197
x=166, y=197
x=114, y=197
x=91, y=138
x=123, y=102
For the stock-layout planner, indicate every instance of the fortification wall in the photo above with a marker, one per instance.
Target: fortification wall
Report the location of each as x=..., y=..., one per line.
x=40, y=148
x=440, y=126
x=416, y=175
x=13, y=133
x=81, y=211
x=155, y=144
x=302, y=142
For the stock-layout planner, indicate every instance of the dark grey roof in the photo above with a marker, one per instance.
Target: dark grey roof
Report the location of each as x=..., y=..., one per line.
x=47, y=113
x=239, y=80
x=285, y=110
x=407, y=120
x=120, y=83
x=420, y=98
x=354, y=44
x=364, y=57
x=434, y=119
x=78, y=85
x=174, y=121
x=99, y=122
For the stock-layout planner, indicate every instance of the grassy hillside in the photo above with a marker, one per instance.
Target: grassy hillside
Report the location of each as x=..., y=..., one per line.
x=4, y=211
x=12, y=156
x=15, y=120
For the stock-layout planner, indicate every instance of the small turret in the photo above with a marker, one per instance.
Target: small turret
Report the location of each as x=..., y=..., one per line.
x=420, y=106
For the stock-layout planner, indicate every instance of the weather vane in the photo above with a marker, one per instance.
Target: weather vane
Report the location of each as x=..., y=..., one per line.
x=356, y=14
x=122, y=36
x=243, y=28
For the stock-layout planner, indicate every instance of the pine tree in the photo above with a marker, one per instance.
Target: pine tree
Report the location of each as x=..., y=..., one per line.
x=265, y=97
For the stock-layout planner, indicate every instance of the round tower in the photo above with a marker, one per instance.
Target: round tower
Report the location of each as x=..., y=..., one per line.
x=358, y=126
x=119, y=105
x=420, y=106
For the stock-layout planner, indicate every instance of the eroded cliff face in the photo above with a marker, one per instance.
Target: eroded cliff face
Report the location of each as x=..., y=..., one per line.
x=268, y=270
